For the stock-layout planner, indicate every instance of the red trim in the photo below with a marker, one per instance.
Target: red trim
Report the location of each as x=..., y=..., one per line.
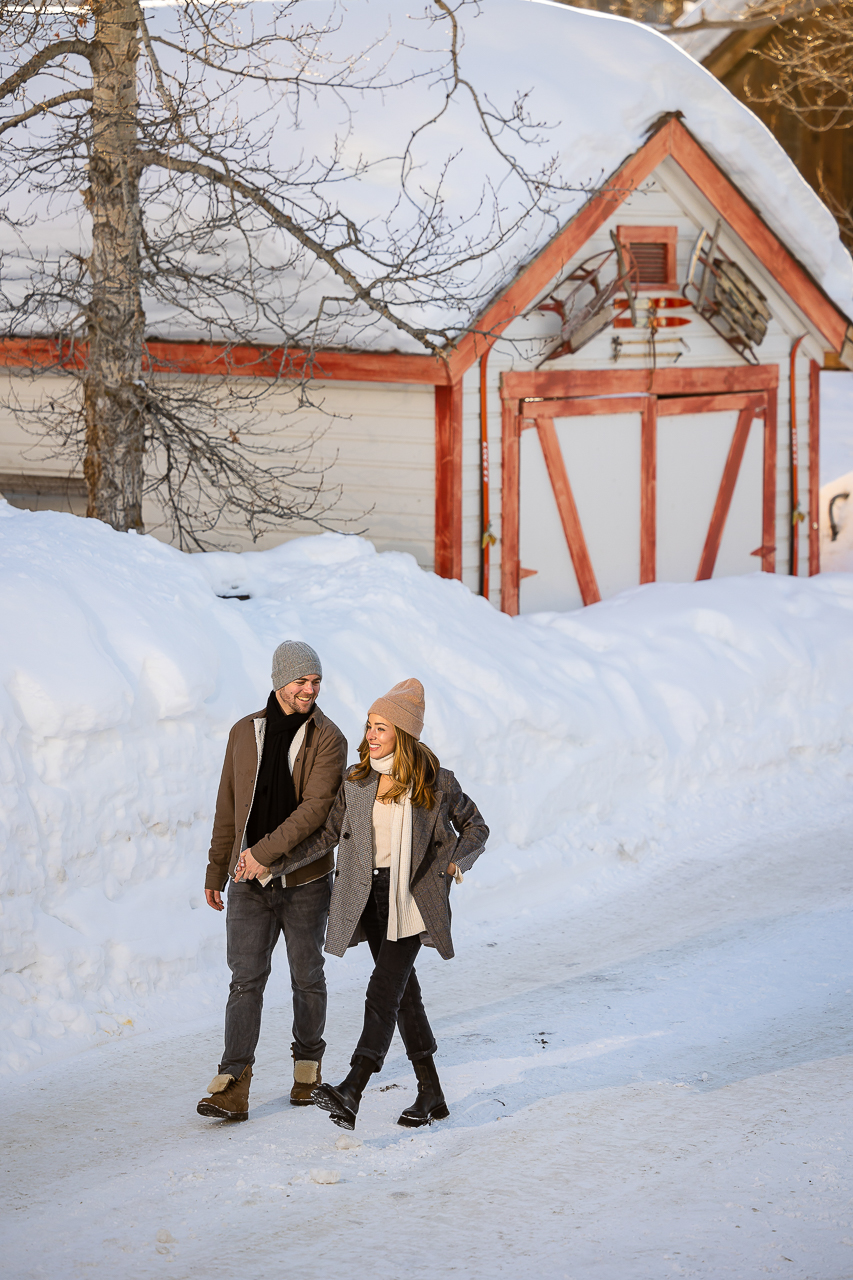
x=583, y=405
x=725, y=493
x=648, y=491
x=552, y=383
x=707, y=404
x=768, y=559
x=569, y=517
x=519, y=414
x=814, y=467
x=485, y=518
x=667, y=236
x=448, y=481
x=216, y=359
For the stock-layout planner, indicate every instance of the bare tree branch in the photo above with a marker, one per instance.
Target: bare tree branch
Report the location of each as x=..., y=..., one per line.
x=277, y=216
x=50, y=53
x=39, y=108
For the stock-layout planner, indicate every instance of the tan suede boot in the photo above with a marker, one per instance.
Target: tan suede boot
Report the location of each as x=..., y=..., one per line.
x=306, y=1078
x=229, y=1097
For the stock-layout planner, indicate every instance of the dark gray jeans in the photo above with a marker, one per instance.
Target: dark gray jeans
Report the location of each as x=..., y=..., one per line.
x=255, y=918
x=393, y=992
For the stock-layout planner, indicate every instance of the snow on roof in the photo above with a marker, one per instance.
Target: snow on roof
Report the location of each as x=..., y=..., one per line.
x=597, y=81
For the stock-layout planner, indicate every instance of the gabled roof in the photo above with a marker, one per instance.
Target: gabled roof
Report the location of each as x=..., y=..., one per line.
x=670, y=138
x=597, y=83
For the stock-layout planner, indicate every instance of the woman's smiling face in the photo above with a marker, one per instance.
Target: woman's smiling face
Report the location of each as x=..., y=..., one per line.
x=380, y=735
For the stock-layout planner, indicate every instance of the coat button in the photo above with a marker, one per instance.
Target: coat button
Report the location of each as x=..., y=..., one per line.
x=345, y=835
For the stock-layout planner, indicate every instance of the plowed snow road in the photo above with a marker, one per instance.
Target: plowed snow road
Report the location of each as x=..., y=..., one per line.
x=655, y=1083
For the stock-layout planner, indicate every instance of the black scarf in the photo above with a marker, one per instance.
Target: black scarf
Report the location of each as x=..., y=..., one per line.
x=275, y=796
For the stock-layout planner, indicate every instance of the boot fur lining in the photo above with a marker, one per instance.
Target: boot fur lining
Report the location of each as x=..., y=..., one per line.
x=220, y=1083
x=304, y=1071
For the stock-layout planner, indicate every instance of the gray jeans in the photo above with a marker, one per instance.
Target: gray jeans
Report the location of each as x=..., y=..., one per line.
x=255, y=918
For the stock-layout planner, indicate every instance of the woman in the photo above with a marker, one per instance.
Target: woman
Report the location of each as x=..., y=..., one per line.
x=404, y=829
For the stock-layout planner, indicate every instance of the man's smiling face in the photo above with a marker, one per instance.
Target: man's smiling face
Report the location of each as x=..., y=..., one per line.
x=300, y=695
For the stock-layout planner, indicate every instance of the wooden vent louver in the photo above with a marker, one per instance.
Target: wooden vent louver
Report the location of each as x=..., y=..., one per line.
x=652, y=255
x=651, y=262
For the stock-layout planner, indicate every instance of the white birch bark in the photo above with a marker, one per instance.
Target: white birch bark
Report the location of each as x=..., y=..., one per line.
x=113, y=391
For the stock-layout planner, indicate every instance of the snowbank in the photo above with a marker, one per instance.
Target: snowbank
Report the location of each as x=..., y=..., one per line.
x=591, y=740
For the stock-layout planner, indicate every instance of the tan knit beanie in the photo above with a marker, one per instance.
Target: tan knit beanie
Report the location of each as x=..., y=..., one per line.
x=403, y=706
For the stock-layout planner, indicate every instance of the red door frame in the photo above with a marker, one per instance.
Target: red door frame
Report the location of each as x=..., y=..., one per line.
x=535, y=399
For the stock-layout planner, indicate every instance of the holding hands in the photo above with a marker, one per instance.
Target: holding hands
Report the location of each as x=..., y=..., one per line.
x=248, y=867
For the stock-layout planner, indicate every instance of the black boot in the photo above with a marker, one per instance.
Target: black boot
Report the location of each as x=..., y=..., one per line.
x=342, y=1100
x=429, y=1104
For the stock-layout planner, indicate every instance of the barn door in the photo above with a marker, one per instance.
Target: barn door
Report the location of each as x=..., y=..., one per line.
x=621, y=490
x=711, y=460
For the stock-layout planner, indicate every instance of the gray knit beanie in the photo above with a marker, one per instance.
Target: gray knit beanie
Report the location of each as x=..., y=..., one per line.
x=291, y=660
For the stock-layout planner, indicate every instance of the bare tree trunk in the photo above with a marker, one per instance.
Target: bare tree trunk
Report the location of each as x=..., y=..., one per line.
x=113, y=393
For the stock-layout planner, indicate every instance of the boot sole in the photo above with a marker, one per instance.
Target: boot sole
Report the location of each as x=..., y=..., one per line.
x=302, y=1102
x=419, y=1122
x=220, y=1113
x=326, y=1099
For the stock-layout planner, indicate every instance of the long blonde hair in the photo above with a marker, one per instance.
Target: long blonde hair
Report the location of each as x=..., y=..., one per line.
x=414, y=766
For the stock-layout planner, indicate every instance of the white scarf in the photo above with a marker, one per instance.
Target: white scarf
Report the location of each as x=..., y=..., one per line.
x=404, y=919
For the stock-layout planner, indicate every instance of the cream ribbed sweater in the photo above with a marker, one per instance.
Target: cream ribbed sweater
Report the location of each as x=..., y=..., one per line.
x=383, y=833
x=404, y=919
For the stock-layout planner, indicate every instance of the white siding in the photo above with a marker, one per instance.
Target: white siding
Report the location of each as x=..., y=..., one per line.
x=376, y=442
x=22, y=448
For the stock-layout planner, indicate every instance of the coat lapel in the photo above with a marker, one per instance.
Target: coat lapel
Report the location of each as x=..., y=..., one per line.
x=423, y=821
x=361, y=797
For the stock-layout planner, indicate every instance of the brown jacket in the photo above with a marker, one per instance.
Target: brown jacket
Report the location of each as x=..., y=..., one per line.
x=318, y=771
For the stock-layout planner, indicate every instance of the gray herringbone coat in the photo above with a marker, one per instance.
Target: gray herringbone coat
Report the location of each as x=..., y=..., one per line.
x=452, y=831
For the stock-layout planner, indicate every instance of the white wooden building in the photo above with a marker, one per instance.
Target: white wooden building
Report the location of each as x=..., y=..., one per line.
x=679, y=441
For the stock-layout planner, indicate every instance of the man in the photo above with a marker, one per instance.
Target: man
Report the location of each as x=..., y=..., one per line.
x=283, y=768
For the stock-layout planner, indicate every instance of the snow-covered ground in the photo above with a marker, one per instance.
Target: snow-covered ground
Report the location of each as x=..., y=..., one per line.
x=644, y=1034
x=655, y=1082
